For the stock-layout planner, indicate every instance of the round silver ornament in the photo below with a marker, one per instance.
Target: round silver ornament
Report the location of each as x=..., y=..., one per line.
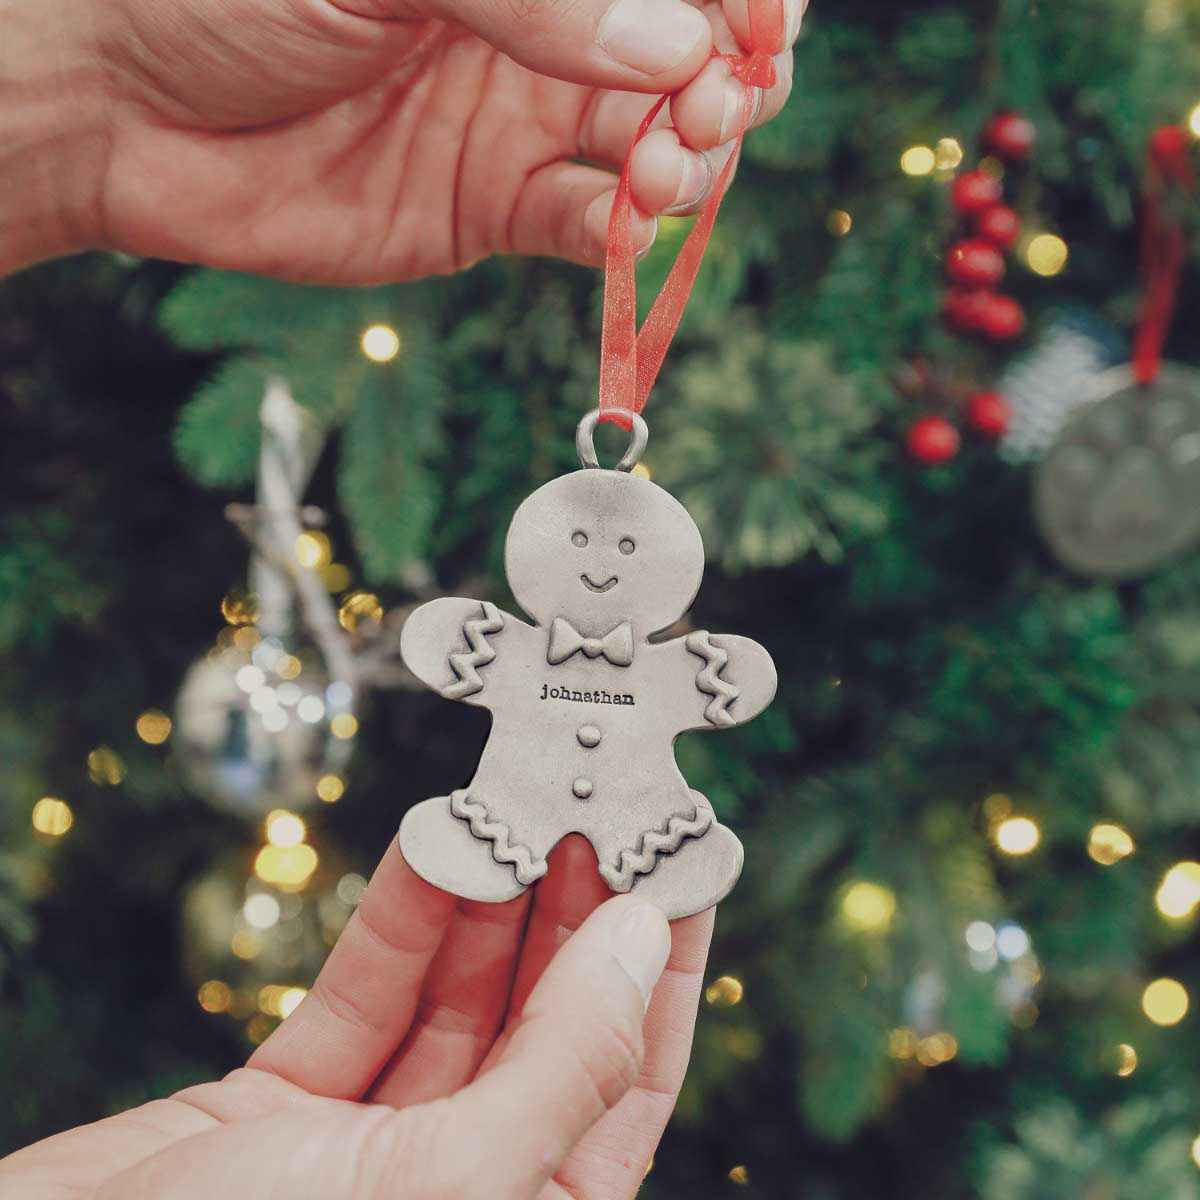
x=1118, y=494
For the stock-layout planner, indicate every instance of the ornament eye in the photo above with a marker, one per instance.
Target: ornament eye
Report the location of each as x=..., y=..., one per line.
x=626, y=546
x=579, y=538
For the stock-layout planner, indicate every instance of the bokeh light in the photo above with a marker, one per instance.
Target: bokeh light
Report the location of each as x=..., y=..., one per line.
x=917, y=160
x=380, y=343
x=868, y=907
x=154, y=727
x=357, y=607
x=1165, y=1001
x=725, y=992
x=288, y=868
x=1046, y=254
x=313, y=549
x=839, y=222
x=1108, y=844
x=52, y=817
x=1017, y=835
x=1179, y=892
x=105, y=766
x=215, y=996
x=330, y=788
x=344, y=726
x=1127, y=1059
x=947, y=154
x=284, y=829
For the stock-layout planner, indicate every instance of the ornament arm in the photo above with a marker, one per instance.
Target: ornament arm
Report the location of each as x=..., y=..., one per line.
x=728, y=679
x=451, y=645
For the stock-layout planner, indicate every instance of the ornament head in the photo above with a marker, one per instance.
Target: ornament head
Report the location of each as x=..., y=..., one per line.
x=602, y=547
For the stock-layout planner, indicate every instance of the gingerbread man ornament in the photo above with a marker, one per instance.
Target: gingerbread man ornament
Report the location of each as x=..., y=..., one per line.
x=585, y=704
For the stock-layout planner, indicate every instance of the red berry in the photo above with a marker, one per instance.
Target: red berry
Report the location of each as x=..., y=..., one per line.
x=1010, y=136
x=1167, y=142
x=974, y=191
x=975, y=263
x=999, y=225
x=932, y=440
x=988, y=413
x=961, y=309
x=1001, y=318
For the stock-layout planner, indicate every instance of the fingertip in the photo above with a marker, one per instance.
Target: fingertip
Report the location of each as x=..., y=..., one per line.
x=596, y=220
x=666, y=177
x=660, y=43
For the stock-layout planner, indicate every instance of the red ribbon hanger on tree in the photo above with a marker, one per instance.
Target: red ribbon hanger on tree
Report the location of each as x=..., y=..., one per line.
x=630, y=360
x=1164, y=246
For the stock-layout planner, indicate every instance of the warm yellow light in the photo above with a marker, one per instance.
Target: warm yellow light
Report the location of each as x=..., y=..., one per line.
x=344, y=726
x=313, y=549
x=330, y=788
x=917, y=160
x=1196, y=1152
x=1193, y=121
x=290, y=1000
x=284, y=829
x=52, y=816
x=215, y=996
x=336, y=577
x=359, y=606
x=1165, y=1001
x=641, y=471
x=380, y=343
x=1179, y=892
x=258, y=1029
x=246, y=637
x=1127, y=1059
x=1017, y=835
x=902, y=1043
x=868, y=907
x=1108, y=844
x=996, y=807
x=154, y=727
x=936, y=1049
x=948, y=154
x=1046, y=254
x=725, y=992
x=839, y=222
x=739, y=1175
x=288, y=868
x=288, y=667
x=105, y=766
x=239, y=608
x=246, y=945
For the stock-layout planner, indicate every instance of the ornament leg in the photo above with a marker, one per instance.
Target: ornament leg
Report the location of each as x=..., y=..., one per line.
x=442, y=849
x=698, y=875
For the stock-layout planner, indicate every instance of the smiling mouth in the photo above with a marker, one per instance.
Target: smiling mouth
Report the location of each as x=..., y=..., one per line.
x=598, y=587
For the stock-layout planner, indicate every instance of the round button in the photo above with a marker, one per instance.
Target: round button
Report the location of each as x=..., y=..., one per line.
x=582, y=788
x=589, y=736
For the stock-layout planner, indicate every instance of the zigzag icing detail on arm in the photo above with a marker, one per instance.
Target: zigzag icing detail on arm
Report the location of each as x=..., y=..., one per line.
x=709, y=680
x=466, y=665
x=518, y=856
x=665, y=840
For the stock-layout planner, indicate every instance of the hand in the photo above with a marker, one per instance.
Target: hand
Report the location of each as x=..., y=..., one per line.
x=448, y=1049
x=360, y=141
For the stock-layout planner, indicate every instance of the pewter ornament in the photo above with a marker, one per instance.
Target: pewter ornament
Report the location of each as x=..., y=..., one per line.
x=585, y=707
x=1118, y=494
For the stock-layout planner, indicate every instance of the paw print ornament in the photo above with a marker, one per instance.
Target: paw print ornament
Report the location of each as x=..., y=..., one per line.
x=1118, y=494
x=586, y=702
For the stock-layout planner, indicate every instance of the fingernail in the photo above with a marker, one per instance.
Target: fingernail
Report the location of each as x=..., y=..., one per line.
x=735, y=118
x=641, y=941
x=793, y=16
x=694, y=180
x=651, y=35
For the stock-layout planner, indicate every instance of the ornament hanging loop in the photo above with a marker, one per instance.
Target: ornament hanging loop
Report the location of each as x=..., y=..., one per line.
x=585, y=447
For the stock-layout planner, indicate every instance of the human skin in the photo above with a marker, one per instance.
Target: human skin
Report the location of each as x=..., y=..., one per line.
x=449, y=1049
x=358, y=141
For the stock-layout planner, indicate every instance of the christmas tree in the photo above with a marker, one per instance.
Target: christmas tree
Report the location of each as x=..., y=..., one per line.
x=960, y=961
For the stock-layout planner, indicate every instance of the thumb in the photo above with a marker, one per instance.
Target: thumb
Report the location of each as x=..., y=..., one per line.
x=633, y=45
x=575, y=1051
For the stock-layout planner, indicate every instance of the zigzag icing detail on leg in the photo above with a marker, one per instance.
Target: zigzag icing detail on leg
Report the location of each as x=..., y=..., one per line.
x=653, y=843
x=466, y=665
x=709, y=680
x=517, y=855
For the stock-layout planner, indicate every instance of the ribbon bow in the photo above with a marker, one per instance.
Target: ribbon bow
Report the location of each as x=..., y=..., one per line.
x=565, y=640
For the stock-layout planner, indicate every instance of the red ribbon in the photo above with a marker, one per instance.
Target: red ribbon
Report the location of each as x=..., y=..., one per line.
x=629, y=360
x=1164, y=246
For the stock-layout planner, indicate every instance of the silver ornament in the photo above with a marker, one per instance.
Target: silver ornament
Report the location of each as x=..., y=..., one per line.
x=1119, y=493
x=585, y=705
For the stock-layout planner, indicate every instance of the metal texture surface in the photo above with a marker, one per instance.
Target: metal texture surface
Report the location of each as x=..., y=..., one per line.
x=1119, y=492
x=585, y=707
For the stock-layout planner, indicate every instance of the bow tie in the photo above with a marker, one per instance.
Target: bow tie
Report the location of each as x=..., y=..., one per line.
x=565, y=640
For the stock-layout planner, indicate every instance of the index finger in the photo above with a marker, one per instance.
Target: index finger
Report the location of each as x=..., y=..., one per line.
x=363, y=1002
